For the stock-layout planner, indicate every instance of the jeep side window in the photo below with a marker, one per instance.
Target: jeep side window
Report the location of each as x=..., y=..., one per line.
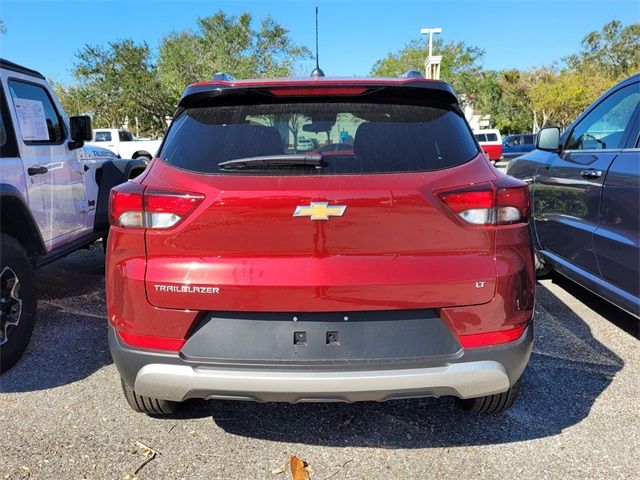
x=36, y=93
x=8, y=146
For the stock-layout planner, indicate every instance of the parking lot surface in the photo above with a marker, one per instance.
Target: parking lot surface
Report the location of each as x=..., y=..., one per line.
x=62, y=414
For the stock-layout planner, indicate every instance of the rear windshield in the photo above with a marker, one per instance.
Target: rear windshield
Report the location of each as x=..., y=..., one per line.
x=486, y=137
x=370, y=137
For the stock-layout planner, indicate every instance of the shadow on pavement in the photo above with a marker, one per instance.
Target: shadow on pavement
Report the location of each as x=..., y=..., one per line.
x=613, y=314
x=69, y=341
x=568, y=370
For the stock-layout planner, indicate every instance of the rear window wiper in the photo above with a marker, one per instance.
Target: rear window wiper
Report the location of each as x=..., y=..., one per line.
x=313, y=160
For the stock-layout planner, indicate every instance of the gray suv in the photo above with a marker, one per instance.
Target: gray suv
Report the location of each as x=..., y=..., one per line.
x=585, y=189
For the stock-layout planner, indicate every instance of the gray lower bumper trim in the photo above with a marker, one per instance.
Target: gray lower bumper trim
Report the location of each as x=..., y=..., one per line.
x=180, y=382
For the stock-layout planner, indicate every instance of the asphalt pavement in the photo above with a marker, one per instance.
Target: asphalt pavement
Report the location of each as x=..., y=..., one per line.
x=62, y=414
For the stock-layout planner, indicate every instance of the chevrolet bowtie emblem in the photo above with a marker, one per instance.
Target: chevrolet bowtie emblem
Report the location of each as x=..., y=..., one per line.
x=320, y=211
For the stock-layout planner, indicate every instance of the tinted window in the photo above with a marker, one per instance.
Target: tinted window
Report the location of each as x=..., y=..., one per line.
x=386, y=137
x=604, y=126
x=103, y=136
x=529, y=139
x=8, y=146
x=39, y=106
x=481, y=137
x=3, y=132
x=125, y=136
x=492, y=137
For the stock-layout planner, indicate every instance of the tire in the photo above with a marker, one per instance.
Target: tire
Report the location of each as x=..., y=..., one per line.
x=542, y=268
x=144, y=157
x=17, y=301
x=492, y=403
x=148, y=405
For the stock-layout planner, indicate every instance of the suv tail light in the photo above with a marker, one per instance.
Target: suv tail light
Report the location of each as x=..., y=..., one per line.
x=133, y=206
x=504, y=203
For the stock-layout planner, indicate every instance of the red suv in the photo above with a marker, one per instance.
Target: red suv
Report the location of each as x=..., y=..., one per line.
x=240, y=267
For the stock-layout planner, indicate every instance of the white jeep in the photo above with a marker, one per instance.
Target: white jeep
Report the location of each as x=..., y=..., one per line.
x=54, y=194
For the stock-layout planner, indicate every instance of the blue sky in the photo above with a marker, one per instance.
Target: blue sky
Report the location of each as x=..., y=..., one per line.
x=353, y=34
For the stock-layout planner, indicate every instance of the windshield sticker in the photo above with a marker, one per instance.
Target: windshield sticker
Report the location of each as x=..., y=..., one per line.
x=31, y=119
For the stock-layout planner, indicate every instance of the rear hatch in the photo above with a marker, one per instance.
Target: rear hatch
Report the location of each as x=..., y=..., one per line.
x=362, y=230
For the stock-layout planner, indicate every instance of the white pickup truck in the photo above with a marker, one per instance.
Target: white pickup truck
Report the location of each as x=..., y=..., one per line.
x=123, y=144
x=54, y=194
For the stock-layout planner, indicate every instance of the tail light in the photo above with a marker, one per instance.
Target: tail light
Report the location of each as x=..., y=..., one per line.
x=504, y=202
x=313, y=91
x=491, y=338
x=134, y=206
x=152, y=342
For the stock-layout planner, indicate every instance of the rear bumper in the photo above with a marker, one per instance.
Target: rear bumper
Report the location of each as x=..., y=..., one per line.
x=469, y=373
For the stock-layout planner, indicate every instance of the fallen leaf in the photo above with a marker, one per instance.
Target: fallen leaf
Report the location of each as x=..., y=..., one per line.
x=299, y=469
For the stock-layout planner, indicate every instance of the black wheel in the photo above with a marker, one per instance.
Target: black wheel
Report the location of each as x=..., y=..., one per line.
x=145, y=158
x=17, y=301
x=492, y=403
x=148, y=405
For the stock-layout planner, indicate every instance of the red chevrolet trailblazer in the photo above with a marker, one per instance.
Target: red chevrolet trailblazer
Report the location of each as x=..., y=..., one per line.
x=242, y=267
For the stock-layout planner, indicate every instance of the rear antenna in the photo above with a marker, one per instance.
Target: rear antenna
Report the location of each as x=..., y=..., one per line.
x=317, y=72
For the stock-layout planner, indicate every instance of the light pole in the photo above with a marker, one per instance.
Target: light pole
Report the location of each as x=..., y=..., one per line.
x=432, y=64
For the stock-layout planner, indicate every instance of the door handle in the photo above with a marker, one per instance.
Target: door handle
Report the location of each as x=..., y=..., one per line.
x=591, y=173
x=37, y=170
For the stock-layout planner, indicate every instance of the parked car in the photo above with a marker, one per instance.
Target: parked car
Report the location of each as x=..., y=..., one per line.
x=585, y=186
x=54, y=192
x=238, y=271
x=515, y=145
x=491, y=142
x=122, y=143
x=305, y=144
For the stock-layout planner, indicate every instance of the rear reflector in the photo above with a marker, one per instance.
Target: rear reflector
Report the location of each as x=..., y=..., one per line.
x=501, y=204
x=131, y=206
x=152, y=342
x=317, y=91
x=490, y=338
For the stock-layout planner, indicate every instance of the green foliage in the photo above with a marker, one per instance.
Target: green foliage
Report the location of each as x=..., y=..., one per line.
x=523, y=101
x=562, y=97
x=224, y=43
x=117, y=83
x=3, y=28
x=613, y=52
x=125, y=81
x=460, y=63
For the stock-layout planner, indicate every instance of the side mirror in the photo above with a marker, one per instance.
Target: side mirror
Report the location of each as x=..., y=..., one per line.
x=81, y=131
x=548, y=139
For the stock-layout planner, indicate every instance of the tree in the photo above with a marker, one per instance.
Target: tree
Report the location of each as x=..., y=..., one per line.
x=224, y=43
x=3, y=28
x=460, y=63
x=122, y=84
x=560, y=98
x=613, y=52
x=296, y=121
